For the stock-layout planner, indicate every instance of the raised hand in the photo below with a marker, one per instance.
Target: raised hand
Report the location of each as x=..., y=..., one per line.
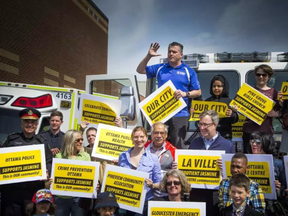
x=153, y=50
x=83, y=125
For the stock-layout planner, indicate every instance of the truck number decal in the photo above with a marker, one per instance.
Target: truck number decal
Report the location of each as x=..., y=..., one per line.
x=66, y=96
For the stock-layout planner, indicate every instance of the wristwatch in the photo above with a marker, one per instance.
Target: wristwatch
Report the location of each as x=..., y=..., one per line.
x=187, y=94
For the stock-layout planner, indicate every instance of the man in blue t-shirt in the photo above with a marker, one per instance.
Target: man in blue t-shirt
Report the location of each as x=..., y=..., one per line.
x=184, y=79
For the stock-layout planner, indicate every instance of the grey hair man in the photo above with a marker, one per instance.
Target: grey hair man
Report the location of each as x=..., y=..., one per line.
x=158, y=146
x=209, y=139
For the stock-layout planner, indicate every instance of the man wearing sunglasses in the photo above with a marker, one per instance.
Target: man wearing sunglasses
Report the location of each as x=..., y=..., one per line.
x=209, y=139
x=239, y=164
x=15, y=195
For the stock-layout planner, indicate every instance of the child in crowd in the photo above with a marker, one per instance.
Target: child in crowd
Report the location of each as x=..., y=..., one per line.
x=239, y=189
x=42, y=204
x=106, y=204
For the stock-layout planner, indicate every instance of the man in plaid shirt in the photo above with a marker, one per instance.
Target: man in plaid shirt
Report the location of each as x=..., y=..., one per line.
x=256, y=200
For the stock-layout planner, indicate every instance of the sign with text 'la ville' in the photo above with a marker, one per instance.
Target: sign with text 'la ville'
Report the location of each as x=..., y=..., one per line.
x=200, y=167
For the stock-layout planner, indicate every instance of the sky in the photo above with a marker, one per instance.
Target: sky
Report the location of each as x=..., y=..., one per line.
x=202, y=26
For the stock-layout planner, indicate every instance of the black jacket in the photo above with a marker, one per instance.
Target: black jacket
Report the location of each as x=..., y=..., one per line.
x=225, y=124
x=15, y=195
x=248, y=211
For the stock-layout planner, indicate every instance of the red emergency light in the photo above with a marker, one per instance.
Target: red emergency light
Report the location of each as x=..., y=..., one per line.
x=38, y=102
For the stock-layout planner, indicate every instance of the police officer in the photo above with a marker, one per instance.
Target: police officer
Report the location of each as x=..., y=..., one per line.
x=14, y=196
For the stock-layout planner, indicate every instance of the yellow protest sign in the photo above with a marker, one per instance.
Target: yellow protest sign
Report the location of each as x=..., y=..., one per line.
x=161, y=104
x=260, y=168
x=201, y=106
x=252, y=103
x=95, y=110
x=200, y=167
x=174, y=211
x=22, y=164
x=128, y=188
x=238, y=127
x=74, y=178
x=111, y=141
x=284, y=90
x=176, y=208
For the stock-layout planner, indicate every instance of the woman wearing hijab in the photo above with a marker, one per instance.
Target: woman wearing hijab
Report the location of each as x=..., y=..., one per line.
x=219, y=90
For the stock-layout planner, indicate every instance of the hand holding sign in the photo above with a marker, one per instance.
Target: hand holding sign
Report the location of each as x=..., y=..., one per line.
x=178, y=94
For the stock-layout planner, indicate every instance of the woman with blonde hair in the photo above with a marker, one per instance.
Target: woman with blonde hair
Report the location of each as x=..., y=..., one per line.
x=176, y=185
x=138, y=158
x=72, y=149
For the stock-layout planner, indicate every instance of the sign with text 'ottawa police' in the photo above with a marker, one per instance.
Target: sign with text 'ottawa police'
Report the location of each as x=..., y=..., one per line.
x=200, y=167
x=252, y=103
x=260, y=169
x=161, y=105
x=201, y=106
x=74, y=178
x=22, y=164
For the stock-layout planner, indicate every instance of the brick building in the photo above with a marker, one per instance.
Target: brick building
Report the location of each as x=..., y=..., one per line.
x=52, y=42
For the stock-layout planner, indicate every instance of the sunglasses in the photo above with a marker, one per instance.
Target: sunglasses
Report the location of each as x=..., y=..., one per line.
x=263, y=75
x=78, y=140
x=169, y=183
x=257, y=141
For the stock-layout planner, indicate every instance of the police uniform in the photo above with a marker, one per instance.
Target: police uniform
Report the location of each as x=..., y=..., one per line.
x=14, y=196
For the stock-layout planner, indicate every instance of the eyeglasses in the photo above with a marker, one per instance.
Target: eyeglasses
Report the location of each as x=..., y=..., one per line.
x=204, y=125
x=79, y=139
x=169, y=183
x=257, y=141
x=263, y=75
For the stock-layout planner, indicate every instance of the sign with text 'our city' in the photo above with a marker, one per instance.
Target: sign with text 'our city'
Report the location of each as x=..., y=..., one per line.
x=161, y=105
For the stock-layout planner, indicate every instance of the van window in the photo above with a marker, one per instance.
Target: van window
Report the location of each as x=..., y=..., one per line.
x=275, y=81
x=205, y=78
x=14, y=125
x=45, y=124
x=110, y=87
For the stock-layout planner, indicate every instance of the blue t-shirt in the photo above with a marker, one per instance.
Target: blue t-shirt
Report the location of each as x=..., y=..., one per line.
x=183, y=77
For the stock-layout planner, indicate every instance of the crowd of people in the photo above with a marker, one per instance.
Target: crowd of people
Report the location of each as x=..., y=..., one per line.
x=237, y=195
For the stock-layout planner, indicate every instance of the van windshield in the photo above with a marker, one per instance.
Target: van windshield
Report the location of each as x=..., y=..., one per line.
x=9, y=123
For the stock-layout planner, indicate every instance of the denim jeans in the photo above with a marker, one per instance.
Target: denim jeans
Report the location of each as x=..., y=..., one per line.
x=66, y=206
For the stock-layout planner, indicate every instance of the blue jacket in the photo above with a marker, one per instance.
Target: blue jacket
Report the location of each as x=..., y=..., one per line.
x=220, y=143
